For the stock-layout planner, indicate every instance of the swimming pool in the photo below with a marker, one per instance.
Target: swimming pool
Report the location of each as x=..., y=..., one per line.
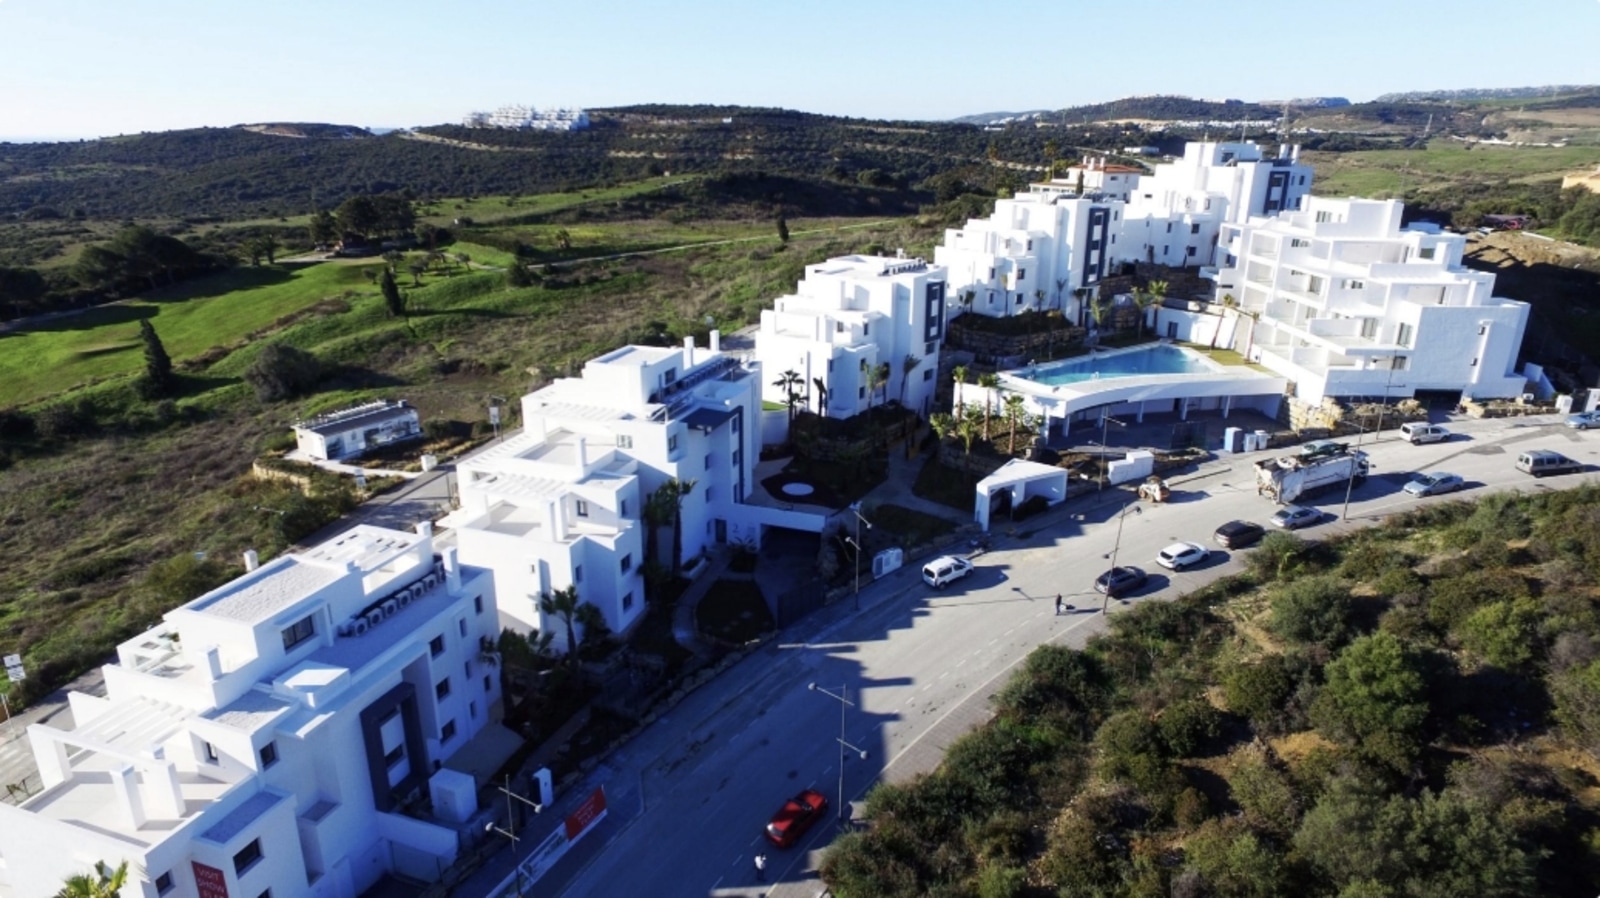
x=1159, y=359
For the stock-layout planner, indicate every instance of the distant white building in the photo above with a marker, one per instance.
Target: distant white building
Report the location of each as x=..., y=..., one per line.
x=1349, y=304
x=847, y=317
x=265, y=737
x=527, y=118
x=1174, y=216
x=351, y=432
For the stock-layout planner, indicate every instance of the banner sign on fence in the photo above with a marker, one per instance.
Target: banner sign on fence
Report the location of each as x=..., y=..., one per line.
x=578, y=824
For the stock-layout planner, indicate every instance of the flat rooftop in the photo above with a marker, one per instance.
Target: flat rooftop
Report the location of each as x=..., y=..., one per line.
x=866, y=266
x=261, y=595
x=637, y=356
x=89, y=799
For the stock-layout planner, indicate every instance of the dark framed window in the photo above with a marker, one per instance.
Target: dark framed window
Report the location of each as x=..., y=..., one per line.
x=436, y=645
x=247, y=857
x=441, y=689
x=268, y=755
x=299, y=631
x=448, y=731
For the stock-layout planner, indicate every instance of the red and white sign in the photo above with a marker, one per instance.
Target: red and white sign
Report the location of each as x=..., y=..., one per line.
x=211, y=882
x=587, y=814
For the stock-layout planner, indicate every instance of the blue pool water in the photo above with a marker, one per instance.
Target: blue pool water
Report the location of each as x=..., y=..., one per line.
x=1159, y=359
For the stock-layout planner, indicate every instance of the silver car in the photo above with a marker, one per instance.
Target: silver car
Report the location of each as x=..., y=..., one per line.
x=1584, y=420
x=1434, y=484
x=1293, y=517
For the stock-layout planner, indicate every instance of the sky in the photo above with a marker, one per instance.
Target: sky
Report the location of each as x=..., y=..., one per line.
x=88, y=68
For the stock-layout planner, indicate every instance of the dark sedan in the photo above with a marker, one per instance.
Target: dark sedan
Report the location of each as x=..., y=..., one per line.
x=1119, y=581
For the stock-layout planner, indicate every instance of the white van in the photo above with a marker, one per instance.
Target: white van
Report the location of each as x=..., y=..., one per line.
x=1417, y=433
x=944, y=570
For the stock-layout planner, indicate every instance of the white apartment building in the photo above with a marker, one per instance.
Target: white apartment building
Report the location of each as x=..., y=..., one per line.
x=528, y=118
x=1033, y=253
x=547, y=509
x=848, y=316
x=1174, y=216
x=1349, y=304
x=264, y=738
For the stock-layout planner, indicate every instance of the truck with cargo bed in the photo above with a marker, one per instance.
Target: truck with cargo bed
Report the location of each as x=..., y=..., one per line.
x=1292, y=477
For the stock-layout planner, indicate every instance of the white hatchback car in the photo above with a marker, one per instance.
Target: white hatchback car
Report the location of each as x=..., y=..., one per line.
x=1178, y=556
x=944, y=570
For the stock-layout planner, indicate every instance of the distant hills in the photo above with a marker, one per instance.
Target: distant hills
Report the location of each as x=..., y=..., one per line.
x=1487, y=93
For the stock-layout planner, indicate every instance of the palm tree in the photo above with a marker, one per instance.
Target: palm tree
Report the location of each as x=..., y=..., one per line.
x=959, y=375
x=593, y=622
x=787, y=381
x=944, y=426
x=1038, y=299
x=1143, y=299
x=1061, y=285
x=989, y=382
x=563, y=604
x=1079, y=294
x=967, y=297
x=822, y=395
x=880, y=379
x=658, y=511
x=679, y=490
x=967, y=430
x=105, y=882
x=1228, y=302
x=907, y=365
x=1014, y=414
x=1156, y=292
x=1099, y=310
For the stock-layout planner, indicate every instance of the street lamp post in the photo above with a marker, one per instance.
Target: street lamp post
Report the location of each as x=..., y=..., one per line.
x=1350, y=481
x=1115, y=548
x=855, y=509
x=510, y=832
x=843, y=698
x=1105, y=420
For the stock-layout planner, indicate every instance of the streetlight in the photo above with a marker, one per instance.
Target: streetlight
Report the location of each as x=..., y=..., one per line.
x=1378, y=431
x=1105, y=420
x=855, y=509
x=511, y=823
x=1115, y=548
x=842, y=697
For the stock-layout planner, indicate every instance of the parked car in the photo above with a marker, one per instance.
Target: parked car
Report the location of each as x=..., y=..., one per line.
x=944, y=570
x=795, y=817
x=1434, y=484
x=1181, y=555
x=1238, y=534
x=1293, y=517
x=1119, y=581
x=1417, y=433
x=1540, y=462
x=1584, y=420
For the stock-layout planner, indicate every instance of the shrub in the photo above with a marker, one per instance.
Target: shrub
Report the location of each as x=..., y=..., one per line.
x=1259, y=691
x=1505, y=634
x=1313, y=610
x=1276, y=555
x=282, y=371
x=1188, y=725
x=1452, y=599
x=1375, y=700
x=1372, y=559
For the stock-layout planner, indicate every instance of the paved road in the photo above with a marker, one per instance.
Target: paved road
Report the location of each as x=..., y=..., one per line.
x=690, y=795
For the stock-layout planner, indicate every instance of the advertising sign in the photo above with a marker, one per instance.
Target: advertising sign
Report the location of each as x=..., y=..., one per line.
x=210, y=882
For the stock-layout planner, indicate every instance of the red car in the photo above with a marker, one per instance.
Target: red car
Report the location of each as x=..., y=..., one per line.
x=795, y=817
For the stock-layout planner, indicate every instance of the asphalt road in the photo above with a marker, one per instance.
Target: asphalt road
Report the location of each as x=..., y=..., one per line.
x=691, y=794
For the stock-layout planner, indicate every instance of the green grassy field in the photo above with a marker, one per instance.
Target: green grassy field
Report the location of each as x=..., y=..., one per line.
x=1379, y=173
x=489, y=209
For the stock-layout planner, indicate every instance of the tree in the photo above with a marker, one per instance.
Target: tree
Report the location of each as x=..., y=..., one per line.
x=822, y=395
x=1015, y=413
x=323, y=230
x=158, y=377
x=391, y=295
x=666, y=504
x=416, y=268
x=988, y=382
x=563, y=604
x=464, y=260
x=105, y=882
x=944, y=426
x=1259, y=691
x=357, y=215
x=783, y=229
x=269, y=248
x=1061, y=286
x=282, y=371
x=1375, y=700
x=1156, y=292
x=1228, y=303
x=787, y=381
x=1099, y=310
x=518, y=276
x=879, y=381
x=393, y=258
x=967, y=430
x=959, y=375
x=563, y=240
x=907, y=366
x=1505, y=634
x=1312, y=610
x=1576, y=693
x=20, y=287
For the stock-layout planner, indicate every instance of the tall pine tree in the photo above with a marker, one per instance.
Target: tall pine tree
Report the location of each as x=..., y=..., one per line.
x=391, y=295
x=158, y=377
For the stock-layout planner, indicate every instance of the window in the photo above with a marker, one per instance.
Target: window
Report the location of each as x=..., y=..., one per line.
x=247, y=857
x=268, y=755
x=396, y=756
x=1191, y=251
x=577, y=573
x=1169, y=227
x=624, y=441
x=1019, y=299
x=1355, y=285
x=210, y=752
x=627, y=601
x=1474, y=363
x=927, y=375
x=441, y=689
x=448, y=731
x=1483, y=329
x=164, y=883
x=1030, y=246
x=472, y=710
x=622, y=508
x=735, y=425
x=708, y=493
x=461, y=627
x=1425, y=252
x=1022, y=273
x=299, y=631
x=1400, y=363
x=1324, y=215
x=738, y=492
x=265, y=893
x=991, y=272
x=929, y=347
x=830, y=366
x=488, y=685
x=436, y=645
x=468, y=667
x=1194, y=229
x=582, y=508
x=1369, y=327
x=737, y=457
x=708, y=461
x=477, y=604
x=672, y=443
x=670, y=376
x=866, y=329
x=1403, y=335
x=627, y=563
x=861, y=392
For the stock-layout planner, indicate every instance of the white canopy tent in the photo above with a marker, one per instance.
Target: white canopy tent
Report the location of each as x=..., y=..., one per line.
x=1023, y=480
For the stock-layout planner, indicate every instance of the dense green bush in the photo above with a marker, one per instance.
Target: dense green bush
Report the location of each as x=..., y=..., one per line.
x=1314, y=610
x=1258, y=691
x=1375, y=701
x=1187, y=726
x=1276, y=556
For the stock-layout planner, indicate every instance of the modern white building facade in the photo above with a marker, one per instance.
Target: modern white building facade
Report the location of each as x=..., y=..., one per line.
x=1039, y=251
x=848, y=317
x=1349, y=304
x=267, y=737
x=1174, y=216
x=350, y=432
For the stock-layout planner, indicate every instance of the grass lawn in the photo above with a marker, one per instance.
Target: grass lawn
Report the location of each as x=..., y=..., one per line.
x=485, y=209
x=1390, y=172
x=909, y=526
x=189, y=318
x=937, y=483
x=734, y=611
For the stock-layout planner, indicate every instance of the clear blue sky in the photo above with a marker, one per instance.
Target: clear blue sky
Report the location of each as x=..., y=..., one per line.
x=84, y=68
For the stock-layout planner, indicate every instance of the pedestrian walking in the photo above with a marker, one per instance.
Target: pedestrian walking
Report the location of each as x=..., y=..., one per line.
x=1061, y=605
x=761, y=868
